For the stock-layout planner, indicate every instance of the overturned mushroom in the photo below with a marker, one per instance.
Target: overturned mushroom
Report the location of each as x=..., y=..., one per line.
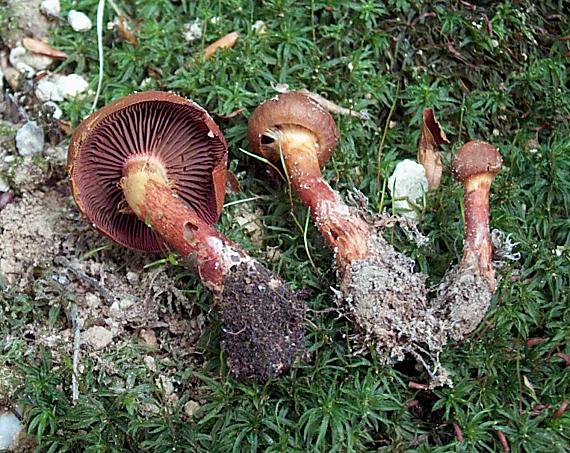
x=385, y=297
x=149, y=171
x=466, y=290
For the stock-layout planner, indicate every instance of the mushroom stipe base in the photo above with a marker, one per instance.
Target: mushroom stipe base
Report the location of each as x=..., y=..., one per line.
x=263, y=319
x=263, y=322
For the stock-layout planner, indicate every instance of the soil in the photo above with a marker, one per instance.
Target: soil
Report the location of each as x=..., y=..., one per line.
x=389, y=302
x=263, y=322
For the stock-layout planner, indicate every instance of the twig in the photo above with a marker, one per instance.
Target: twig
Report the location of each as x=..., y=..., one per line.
x=107, y=295
x=503, y=440
x=458, y=432
x=100, y=13
x=561, y=409
x=418, y=386
x=536, y=341
x=335, y=108
x=74, y=316
x=411, y=403
x=565, y=357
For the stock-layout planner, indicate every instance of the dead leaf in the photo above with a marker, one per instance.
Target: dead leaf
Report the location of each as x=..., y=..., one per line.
x=65, y=126
x=232, y=183
x=230, y=115
x=428, y=153
x=42, y=48
x=225, y=42
x=125, y=31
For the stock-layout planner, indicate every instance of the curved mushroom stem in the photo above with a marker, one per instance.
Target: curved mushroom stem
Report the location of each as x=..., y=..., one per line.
x=348, y=234
x=478, y=249
x=148, y=193
x=263, y=319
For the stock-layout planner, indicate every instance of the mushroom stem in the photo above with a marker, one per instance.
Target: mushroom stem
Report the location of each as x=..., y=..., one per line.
x=478, y=248
x=148, y=193
x=345, y=232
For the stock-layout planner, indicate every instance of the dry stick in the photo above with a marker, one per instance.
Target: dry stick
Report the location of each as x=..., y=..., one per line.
x=107, y=295
x=565, y=357
x=561, y=409
x=335, y=108
x=74, y=316
x=418, y=386
x=503, y=440
x=458, y=432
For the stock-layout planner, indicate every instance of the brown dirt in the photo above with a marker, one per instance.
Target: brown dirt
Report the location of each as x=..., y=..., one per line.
x=263, y=322
x=42, y=254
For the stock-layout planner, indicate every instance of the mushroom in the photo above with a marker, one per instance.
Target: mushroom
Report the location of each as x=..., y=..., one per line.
x=149, y=171
x=299, y=129
x=466, y=290
x=387, y=300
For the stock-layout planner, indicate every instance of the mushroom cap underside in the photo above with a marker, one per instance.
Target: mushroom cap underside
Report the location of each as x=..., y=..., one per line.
x=296, y=109
x=171, y=130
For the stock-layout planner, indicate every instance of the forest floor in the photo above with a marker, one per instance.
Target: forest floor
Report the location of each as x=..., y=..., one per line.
x=140, y=330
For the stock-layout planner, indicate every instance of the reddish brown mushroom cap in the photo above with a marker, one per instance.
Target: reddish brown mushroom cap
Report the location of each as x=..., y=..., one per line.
x=294, y=109
x=474, y=158
x=173, y=130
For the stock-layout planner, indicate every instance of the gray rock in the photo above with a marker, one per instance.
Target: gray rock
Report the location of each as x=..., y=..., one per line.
x=30, y=139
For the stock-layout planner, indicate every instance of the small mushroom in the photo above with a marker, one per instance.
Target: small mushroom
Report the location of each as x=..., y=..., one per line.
x=149, y=171
x=383, y=295
x=475, y=165
x=465, y=293
x=299, y=129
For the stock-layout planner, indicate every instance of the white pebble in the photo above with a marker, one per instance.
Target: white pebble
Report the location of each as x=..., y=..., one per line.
x=30, y=139
x=71, y=86
x=192, y=30
x=98, y=337
x=28, y=63
x=79, y=21
x=4, y=187
x=10, y=427
x=50, y=8
x=408, y=184
x=259, y=27
x=46, y=90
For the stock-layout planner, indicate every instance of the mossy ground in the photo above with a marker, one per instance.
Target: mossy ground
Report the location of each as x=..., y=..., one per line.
x=495, y=71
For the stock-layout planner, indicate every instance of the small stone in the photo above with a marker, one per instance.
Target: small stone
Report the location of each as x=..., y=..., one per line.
x=28, y=63
x=150, y=363
x=10, y=428
x=408, y=184
x=259, y=27
x=148, y=336
x=50, y=8
x=192, y=30
x=191, y=407
x=91, y=300
x=4, y=187
x=30, y=139
x=132, y=277
x=98, y=337
x=47, y=90
x=13, y=78
x=71, y=86
x=79, y=21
